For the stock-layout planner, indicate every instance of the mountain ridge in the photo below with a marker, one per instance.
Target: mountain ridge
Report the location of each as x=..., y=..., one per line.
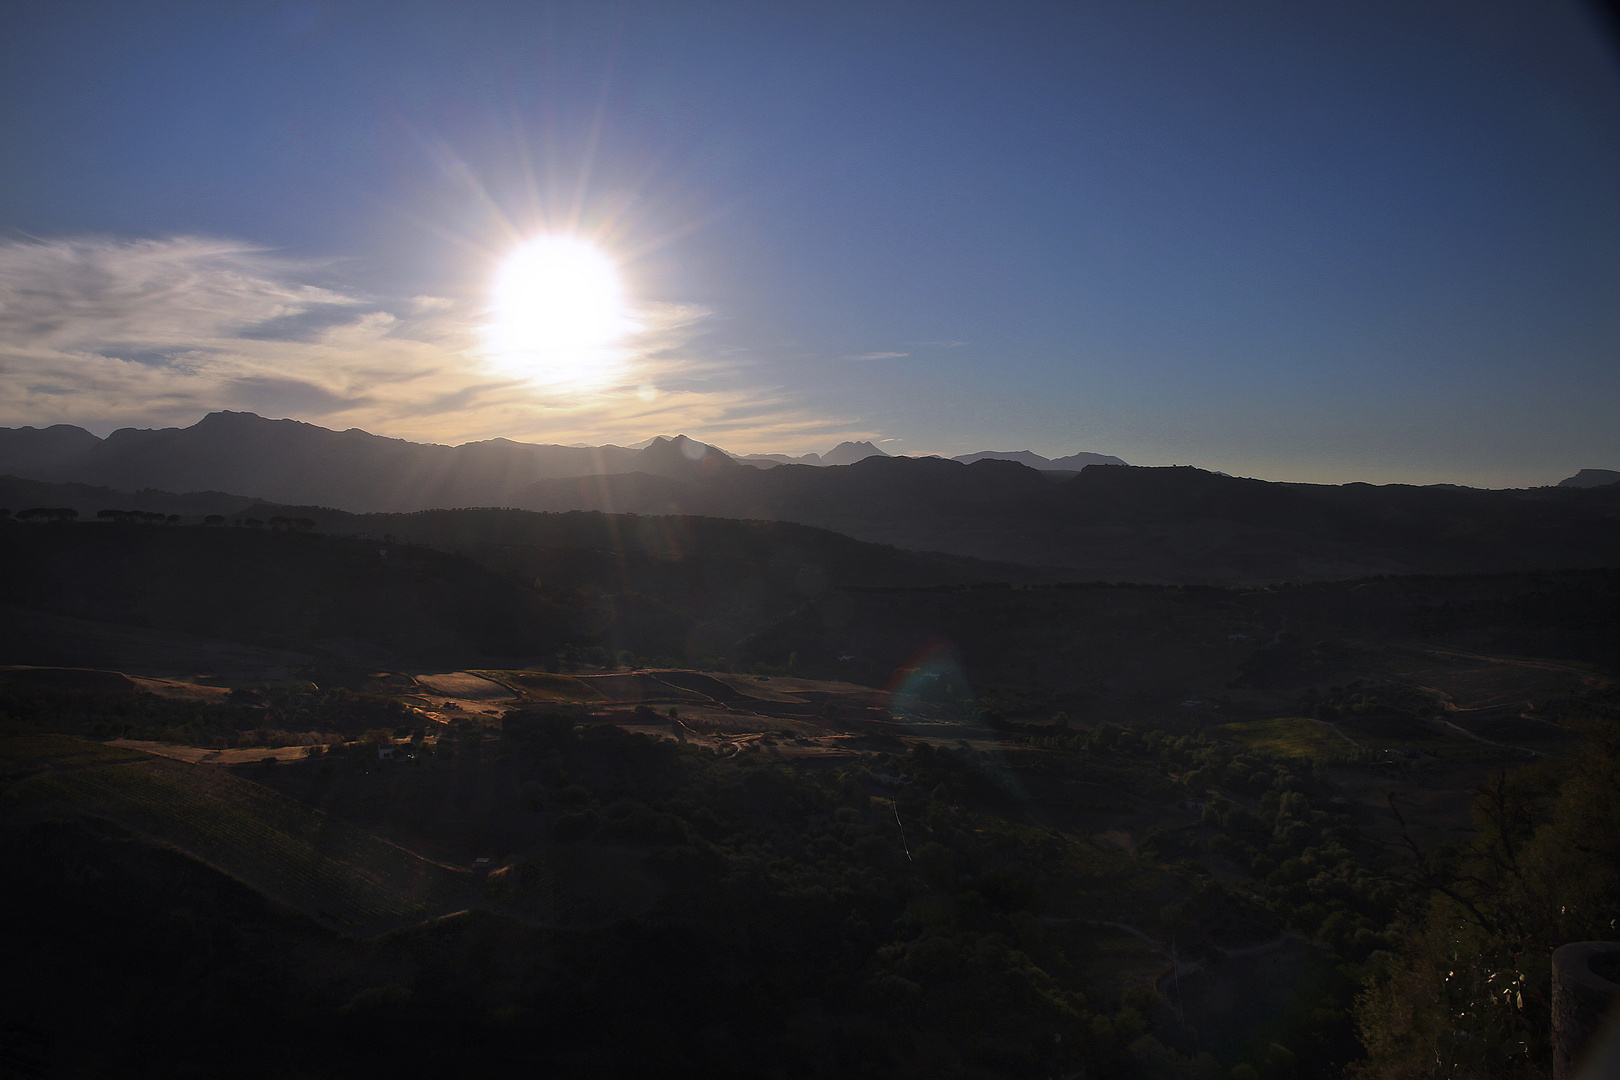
x=1176, y=525
x=245, y=452
x=291, y=461
x=1073, y=462
x=1591, y=478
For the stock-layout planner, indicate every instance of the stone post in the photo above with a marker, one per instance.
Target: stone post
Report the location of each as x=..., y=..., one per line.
x=1584, y=986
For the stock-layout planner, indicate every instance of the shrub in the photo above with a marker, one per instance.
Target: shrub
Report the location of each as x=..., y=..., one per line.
x=572, y=828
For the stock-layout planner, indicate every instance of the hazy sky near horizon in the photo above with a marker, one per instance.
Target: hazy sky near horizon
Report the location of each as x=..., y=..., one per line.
x=1331, y=242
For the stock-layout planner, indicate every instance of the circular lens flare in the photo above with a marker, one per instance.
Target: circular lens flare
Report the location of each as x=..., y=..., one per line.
x=558, y=312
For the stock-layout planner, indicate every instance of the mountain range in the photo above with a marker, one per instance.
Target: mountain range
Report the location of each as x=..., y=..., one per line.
x=289, y=461
x=1072, y=463
x=1110, y=522
x=848, y=453
x=845, y=453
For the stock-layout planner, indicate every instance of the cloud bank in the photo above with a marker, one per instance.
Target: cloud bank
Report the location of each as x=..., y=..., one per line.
x=107, y=333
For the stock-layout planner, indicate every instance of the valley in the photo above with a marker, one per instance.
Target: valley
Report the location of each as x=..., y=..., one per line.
x=670, y=775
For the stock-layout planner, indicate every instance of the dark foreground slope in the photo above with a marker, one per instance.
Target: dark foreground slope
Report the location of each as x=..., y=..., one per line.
x=709, y=581
x=1109, y=523
x=1037, y=901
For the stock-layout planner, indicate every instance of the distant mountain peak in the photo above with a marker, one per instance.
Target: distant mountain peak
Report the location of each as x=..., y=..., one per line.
x=1085, y=458
x=1591, y=478
x=1075, y=462
x=848, y=453
x=769, y=460
x=1023, y=457
x=681, y=449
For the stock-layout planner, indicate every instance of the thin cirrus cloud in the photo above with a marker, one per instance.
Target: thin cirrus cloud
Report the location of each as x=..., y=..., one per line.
x=875, y=356
x=106, y=333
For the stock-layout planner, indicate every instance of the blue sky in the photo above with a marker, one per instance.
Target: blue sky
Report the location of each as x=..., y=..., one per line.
x=1296, y=241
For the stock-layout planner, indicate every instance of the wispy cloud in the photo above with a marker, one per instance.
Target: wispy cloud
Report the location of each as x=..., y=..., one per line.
x=875, y=356
x=107, y=333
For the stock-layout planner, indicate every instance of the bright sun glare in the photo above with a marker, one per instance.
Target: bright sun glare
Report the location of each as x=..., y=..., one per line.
x=558, y=313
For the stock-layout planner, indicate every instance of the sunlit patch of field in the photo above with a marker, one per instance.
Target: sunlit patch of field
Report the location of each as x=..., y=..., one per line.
x=464, y=686
x=181, y=689
x=1288, y=737
x=338, y=874
x=203, y=755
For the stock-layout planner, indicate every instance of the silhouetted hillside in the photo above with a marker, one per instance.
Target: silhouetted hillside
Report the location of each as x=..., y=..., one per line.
x=1591, y=478
x=44, y=452
x=1122, y=523
x=1128, y=651
x=1073, y=462
x=293, y=462
x=17, y=494
x=502, y=581
x=275, y=590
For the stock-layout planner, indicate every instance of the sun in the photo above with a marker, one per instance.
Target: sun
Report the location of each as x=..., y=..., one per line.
x=558, y=313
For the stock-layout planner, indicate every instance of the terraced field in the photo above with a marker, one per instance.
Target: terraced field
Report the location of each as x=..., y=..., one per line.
x=337, y=874
x=539, y=686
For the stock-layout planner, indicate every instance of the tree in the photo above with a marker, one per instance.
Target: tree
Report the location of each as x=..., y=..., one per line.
x=48, y=513
x=1468, y=993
